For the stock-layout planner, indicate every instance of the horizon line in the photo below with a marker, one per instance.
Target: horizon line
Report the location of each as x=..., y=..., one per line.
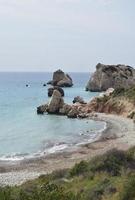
x=42, y=72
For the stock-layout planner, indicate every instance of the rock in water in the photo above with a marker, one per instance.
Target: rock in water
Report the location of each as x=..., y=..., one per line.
x=111, y=76
x=79, y=99
x=73, y=113
x=50, y=91
x=61, y=79
x=56, y=103
x=65, y=109
x=42, y=109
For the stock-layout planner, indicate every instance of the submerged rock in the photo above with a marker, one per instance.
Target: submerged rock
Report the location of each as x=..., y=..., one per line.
x=61, y=79
x=111, y=76
x=50, y=91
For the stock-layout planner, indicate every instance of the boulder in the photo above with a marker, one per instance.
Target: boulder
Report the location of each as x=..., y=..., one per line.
x=79, y=99
x=50, y=90
x=42, y=109
x=73, y=113
x=55, y=103
x=61, y=79
x=65, y=109
x=111, y=76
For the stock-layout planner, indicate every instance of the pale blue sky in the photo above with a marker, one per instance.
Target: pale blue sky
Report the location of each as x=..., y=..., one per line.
x=43, y=35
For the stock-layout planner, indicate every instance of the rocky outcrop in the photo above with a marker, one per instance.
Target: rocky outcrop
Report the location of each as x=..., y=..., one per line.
x=111, y=76
x=65, y=109
x=61, y=79
x=73, y=113
x=50, y=91
x=55, y=103
x=79, y=99
x=42, y=109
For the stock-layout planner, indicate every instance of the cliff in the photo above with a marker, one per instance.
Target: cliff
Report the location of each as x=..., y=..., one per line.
x=121, y=101
x=111, y=76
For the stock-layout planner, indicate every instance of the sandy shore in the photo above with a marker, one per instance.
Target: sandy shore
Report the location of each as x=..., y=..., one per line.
x=120, y=134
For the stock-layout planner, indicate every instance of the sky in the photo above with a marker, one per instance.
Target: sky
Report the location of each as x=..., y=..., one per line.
x=74, y=35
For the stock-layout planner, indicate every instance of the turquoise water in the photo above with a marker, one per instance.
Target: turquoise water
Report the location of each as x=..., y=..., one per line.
x=23, y=132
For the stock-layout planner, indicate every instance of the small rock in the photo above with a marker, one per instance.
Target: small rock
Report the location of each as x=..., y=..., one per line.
x=50, y=91
x=42, y=109
x=79, y=99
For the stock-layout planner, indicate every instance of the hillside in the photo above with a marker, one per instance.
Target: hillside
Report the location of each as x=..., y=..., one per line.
x=107, y=177
x=121, y=102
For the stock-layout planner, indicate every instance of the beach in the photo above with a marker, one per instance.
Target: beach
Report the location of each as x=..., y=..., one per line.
x=118, y=134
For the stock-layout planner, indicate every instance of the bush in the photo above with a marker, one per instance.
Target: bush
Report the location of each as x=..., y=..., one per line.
x=59, y=173
x=118, y=92
x=129, y=189
x=131, y=154
x=99, y=190
x=110, y=162
x=5, y=193
x=79, y=169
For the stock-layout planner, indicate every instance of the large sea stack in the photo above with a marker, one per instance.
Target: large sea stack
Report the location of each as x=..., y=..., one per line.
x=61, y=79
x=111, y=76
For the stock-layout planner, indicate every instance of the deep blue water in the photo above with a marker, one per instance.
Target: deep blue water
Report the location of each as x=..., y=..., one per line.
x=22, y=131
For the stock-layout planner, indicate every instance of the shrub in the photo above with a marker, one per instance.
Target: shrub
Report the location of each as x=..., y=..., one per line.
x=79, y=169
x=5, y=193
x=129, y=189
x=131, y=154
x=59, y=173
x=110, y=162
x=97, y=192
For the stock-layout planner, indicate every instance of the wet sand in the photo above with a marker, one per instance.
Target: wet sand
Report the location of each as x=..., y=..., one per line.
x=119, y=134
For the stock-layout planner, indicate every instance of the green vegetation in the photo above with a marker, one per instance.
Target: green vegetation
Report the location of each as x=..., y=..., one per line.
x=107, y=177
x=127, y=93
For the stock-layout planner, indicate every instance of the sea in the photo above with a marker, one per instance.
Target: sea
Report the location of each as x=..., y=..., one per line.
x=23, y=133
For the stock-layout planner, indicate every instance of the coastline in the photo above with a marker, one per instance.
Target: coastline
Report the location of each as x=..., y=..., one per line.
x=119, y=134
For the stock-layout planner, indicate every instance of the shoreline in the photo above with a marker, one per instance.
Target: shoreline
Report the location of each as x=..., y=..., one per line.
x=119, y=134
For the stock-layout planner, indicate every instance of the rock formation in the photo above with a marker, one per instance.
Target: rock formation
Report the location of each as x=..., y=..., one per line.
x=65, y=109
x=79, y=99
x=111, y=76
x=50, y=91
x=55, y=103
x=73, y=113
x=42, y=109
x=61, y=79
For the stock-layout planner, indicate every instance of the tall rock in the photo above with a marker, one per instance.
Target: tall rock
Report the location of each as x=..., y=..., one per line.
x=55, y=103
x=111, y=76
x=61, y=79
